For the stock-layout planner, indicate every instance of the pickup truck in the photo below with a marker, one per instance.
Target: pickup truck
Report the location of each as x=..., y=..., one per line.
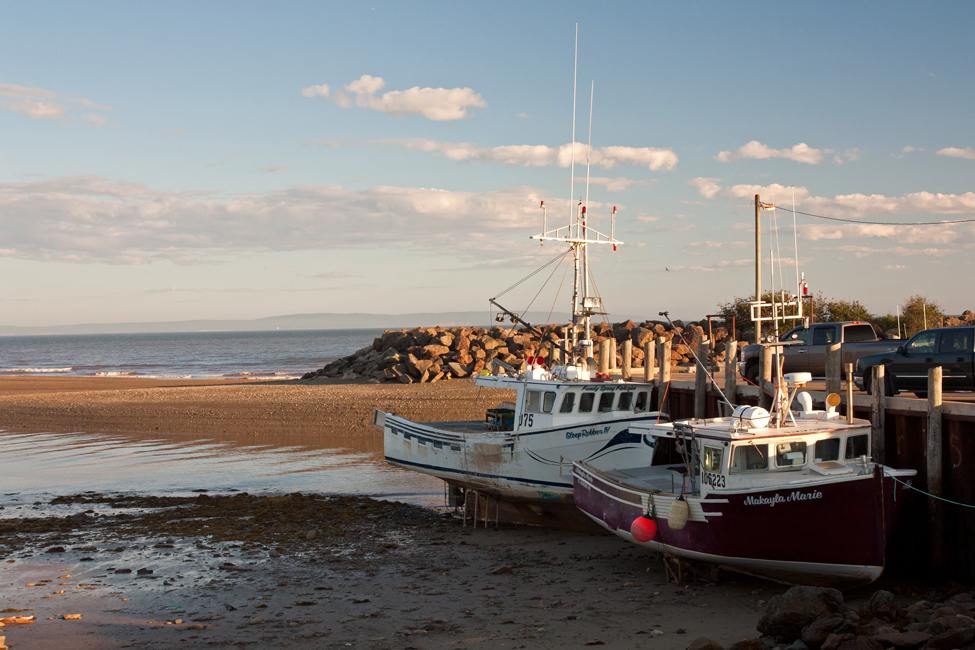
x=906, y=368
x=806, y=349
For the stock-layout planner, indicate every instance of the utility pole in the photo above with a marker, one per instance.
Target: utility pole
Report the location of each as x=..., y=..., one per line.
x=758, y=264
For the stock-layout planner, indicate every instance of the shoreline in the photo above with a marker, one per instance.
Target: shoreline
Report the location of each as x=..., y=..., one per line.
x=350, y=570
x=316, y=570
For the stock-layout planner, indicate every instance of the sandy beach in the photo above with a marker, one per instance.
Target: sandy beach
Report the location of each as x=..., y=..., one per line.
x=314, y=571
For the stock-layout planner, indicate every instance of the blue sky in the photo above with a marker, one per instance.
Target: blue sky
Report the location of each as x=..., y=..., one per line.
x=170, y=161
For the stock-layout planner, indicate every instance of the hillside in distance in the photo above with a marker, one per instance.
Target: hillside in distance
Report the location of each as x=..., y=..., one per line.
x=288, y=322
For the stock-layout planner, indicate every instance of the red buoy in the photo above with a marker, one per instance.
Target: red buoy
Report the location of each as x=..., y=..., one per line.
x=643, y=529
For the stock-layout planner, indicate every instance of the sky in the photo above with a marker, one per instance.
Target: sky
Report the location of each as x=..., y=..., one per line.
x=238, y=160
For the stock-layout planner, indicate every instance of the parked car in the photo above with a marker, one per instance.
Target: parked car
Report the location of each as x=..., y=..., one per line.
x=807, y=349
x=907, y=367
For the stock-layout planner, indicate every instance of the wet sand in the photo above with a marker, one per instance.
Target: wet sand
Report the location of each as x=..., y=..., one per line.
x=341, y=572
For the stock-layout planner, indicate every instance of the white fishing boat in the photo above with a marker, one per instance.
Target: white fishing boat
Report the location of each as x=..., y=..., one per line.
x=523, y=450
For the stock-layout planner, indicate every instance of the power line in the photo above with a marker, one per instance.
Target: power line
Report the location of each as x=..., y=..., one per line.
x=869, y=223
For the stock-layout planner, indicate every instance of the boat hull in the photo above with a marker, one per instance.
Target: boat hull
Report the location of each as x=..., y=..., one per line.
x=533, y=467
x=829, y=532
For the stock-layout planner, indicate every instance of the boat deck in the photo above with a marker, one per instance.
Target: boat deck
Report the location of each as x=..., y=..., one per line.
x=660, y=478
x=460, y=426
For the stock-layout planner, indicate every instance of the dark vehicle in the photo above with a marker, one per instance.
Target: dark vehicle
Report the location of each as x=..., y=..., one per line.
x=907, y=367
x=807, y=349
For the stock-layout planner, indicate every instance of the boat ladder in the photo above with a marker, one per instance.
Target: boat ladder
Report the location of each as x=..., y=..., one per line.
x=485, y=510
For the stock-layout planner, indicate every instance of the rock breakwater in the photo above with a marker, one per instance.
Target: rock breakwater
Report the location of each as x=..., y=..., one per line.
x=433, y=354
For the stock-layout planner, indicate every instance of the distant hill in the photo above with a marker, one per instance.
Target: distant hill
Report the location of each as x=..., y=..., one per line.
x=289, y=322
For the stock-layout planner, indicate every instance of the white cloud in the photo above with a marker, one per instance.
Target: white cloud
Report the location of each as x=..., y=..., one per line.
x=440, y=104
x=707, y=187
x=617, y=184
x=894, y=251
x=43, y=104
x=955, y=152
x=715, y=245
x=894, y=267
x=275, y=168
x=539, y=155
x=717, y=266
x=841, y=205
x=906, y=150
x=847, y=156
x=93, y=219
x=801, y=152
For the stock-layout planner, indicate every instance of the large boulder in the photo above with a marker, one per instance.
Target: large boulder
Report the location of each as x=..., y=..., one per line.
x=787, y=614
x=881, y=605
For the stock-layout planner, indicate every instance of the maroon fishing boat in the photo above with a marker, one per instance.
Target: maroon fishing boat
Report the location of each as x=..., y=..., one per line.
x=788, y=495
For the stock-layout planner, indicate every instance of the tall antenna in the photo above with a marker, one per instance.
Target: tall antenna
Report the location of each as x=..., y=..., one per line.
x=572, y=140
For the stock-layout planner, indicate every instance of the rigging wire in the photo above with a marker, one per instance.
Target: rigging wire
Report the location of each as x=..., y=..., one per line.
x=544, y=284
x=558, y=293
x=877, y=223
x=536, y=271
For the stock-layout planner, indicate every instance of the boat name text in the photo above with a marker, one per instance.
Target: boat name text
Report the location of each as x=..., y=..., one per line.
x=778, y=498
x=585, y=433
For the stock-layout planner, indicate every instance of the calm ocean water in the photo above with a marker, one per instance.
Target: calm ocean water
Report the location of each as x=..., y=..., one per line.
x=197, y=355
x=37, y=465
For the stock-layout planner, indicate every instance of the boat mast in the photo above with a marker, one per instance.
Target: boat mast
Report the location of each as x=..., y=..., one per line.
x=585, y=246
x=574, y=213
x=579, y=234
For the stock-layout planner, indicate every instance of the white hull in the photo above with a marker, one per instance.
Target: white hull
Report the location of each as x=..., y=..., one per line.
x=532, y=466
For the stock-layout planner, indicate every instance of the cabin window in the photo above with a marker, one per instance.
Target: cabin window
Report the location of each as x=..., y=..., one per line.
x=790, y=454
x=749, y=458
x=586, y=401
x=568, y=402
x=641, y=401
x=828, y=449
x=712, y=459
x=856, y=446
x=548, y=402
x=624, y=403
x=606, y=402
x=533, y=401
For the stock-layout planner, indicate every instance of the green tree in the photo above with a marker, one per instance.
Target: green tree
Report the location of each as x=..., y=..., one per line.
x=886, y=323
x=843, y=310
x=918, y=313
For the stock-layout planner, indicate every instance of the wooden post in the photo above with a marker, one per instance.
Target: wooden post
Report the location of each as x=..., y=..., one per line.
x=933, y=456
x=663, y=383
x=612, y=354
x=627, y=358
x=849, y=393
x=834, y=368
x=765, y=397
x=701, y=380
x=649, y=356
x=731, y=372
x=879, y=411
x=604, y=356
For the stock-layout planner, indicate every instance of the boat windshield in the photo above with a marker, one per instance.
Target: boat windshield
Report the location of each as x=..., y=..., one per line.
x=749, y=457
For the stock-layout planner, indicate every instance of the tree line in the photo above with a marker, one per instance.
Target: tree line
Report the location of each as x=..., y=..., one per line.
x=917, y=313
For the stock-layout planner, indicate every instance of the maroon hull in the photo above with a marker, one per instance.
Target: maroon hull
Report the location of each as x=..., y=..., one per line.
x=831, y=532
